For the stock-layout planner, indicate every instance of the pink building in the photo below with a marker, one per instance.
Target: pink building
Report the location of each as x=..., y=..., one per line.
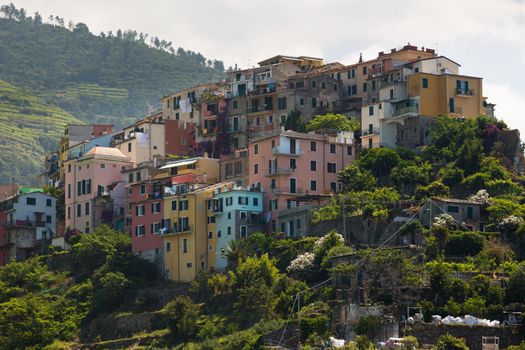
x=87, y=178
x=291, y=167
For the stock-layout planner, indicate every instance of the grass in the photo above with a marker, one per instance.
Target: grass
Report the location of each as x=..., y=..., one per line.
x=30, y=128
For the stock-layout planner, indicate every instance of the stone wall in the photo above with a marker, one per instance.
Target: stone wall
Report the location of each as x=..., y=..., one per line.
x=428, y=333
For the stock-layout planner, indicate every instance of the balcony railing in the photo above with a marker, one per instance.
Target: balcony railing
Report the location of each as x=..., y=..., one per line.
x=405, y=110
x=287, y=190
x=255, y=109
x=25, y=223
x=373, y=131
x=279, y=171
x=177, y=230
x=276, y=151
x=464, y=92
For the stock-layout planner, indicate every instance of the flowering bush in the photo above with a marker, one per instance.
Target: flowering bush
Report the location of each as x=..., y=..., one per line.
x=481, y=197
x=443, y=220
x=332, y=239
x=302, y=263
x=510, y=223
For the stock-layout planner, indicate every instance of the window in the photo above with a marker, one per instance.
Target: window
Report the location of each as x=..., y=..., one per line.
x=333, y=186
x=69, y=168
x=102, y=166
x=257, y=121
x=183, y=205
x=185, y=246
x=371, y=110
x=313, y=185
x=219, y=234
x=323, y=85
x=470, y=212
x=242, y=215
x=256, y=169
x=314, y=83
x=229, y=216
x=313, y=146
x=48, y=202
x=425, y=83
x=364, y=70
x=452, y=209
x=229, y=230
x=373, y=85
x=273, y=143
x=348, y=150
x=30, y=201
x=87, y=208
x=168, y=247
x=451, y=105
x=242, y=200
x=211, y=219
x=139, y=175
x=79, y=188
x=79, y=210
x=270, y=119
x=68, y=213
x=68, y=191
x=189, y=265
x=48, y=219
x=365, y=87
x=293, y=163
x=256, y=149
x=314, y=102
x=142, y=189
x=130, y=191
x=281, y=103
x=173, y=205
x=244, y=231
x=235, y=104
x=462, y=87
x=255, y=202
x=155, y=208
x=140, y=210
x=331, y=168
x=313, y=165
x=88, y=186
x=130, y=177
x=391, y=94
x=130, y=205
x=301, y=101
x=332, y=149
x=229, y=201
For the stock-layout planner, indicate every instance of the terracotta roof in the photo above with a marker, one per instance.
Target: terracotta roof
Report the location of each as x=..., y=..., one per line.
x=8, y=190
x=106, y=151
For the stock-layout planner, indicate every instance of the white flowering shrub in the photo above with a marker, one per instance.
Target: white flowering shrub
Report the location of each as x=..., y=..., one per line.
x=332, y=238
x=302, y=263
x=510, y=223
x=443, y=220
x=482, y=197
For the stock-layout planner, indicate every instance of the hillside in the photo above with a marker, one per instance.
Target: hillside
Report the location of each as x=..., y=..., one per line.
x=30, y=127
x=103, y=78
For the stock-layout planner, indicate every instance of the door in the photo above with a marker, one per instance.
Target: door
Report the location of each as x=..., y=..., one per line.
x=293, y=186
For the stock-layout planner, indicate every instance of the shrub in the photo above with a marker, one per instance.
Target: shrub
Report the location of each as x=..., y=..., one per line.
x=448, y=342
x=181, y=316
x=464, y=244
x=368, y=326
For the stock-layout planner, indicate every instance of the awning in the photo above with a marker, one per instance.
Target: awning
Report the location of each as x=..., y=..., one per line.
x=178, y=164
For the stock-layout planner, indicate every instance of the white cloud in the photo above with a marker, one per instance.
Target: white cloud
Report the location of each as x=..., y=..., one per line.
x=509, y=104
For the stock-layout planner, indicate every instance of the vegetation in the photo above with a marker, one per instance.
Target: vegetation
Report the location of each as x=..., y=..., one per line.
x=30, y=129
x=332, y=122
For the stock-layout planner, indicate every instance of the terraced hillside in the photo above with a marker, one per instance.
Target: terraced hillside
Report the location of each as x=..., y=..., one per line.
x=29, y=128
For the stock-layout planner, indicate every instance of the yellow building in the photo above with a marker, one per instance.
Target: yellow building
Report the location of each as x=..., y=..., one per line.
x=202, y=169
x=446, y=94
x=190, y=237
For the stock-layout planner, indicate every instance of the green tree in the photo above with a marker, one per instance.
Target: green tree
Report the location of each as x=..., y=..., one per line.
x=368, y=326
x=515, y=291
x=181, y=316
x=434, y=189
x=295, y=122
x=110, y=289
x=355, y=179
x=451, y=175
x=448, y=342
x=380, y=161
x=332, y=122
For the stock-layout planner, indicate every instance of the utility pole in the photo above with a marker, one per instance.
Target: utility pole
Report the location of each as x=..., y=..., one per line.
x=298, y=296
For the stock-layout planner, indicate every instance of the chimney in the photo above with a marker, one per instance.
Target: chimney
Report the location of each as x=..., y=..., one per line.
x=361, y=57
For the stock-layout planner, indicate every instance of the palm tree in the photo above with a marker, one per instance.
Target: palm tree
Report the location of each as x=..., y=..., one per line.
x=234, y=251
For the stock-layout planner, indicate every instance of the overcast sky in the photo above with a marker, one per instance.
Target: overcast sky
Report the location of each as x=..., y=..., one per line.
x=487, y=37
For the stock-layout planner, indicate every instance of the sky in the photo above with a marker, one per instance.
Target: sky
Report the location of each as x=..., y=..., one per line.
x=487, y=37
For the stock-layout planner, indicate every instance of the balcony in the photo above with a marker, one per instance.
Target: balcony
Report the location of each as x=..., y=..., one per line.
x=276, y=151
x=464, y=92
x=25, y=223
x=287, y=190
x=256, y=109
x=404, y=111
x=178, y=230
x=279, y=171
x=372, y=131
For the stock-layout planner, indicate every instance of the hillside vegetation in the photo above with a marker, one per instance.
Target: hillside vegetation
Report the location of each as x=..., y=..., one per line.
x=104, y=78
x=30, y=128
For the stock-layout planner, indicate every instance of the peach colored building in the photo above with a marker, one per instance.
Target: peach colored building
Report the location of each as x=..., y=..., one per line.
x=86, y=178
x=290, y=167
